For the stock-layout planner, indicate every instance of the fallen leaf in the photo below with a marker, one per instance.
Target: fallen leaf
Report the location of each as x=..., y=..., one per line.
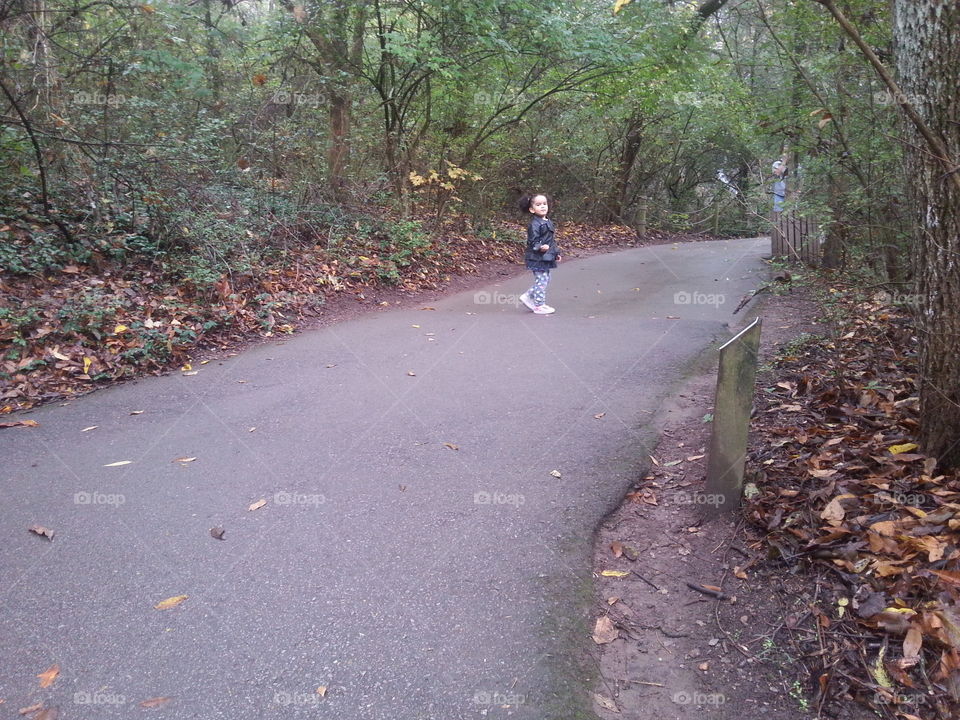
x=411, y=373
x=170, y=602
x=137, y=412
x=695, y=457
x=217, y=533
x=704, y=666
x=416, y=326
x=599, y=415
x=605, y=631
x=50, y=713
x=912, y=643
x=186, y=367
x=118, y=463
x=615, y=573
x=41, y=530
x=322, y=691
x=617, y=548
x=31, y=709
x=556, y=473
x=187, y=374
x=154, y=702
x=258, y=504
x=451, y=446
x=48, y=676
x=739, y=572
x=20, y=423
x=184, y=459
x=88, y=429
x=613, y=600
x=906, y=447
x=605, y=702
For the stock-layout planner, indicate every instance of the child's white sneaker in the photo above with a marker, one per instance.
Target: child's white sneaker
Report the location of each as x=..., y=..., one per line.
x=543, y=310
x=525, y=299
x=548, y=307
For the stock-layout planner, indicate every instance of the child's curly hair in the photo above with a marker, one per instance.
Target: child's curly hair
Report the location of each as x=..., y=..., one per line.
x=525, y=200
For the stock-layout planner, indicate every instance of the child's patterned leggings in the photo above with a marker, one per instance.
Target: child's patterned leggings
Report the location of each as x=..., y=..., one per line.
x=538, y=293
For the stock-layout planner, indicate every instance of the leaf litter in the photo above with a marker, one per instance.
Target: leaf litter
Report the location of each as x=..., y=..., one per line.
x=841, y=490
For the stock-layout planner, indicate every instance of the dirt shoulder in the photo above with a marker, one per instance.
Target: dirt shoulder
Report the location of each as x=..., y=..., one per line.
x=681, y=653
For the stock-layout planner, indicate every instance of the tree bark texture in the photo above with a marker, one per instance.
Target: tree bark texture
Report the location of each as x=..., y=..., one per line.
x=927, y=44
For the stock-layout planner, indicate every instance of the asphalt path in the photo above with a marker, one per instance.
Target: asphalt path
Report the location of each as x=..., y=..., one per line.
x=416, y=556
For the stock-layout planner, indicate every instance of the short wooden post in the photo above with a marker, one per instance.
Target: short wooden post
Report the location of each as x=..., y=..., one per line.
x=731, y=421
x=776, y=235
x=642, y=217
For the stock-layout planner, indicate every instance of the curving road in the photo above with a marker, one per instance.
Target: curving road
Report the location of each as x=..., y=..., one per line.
x=415, y=556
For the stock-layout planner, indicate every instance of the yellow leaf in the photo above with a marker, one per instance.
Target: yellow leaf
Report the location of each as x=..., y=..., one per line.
x=257, y=505
x=879, y=672
x=87, y=362
x=48, y=676
x=620, y=5
x=906, y=447
x=119, y=329
x=186, y=367
x=170, y=602
x=615, y=573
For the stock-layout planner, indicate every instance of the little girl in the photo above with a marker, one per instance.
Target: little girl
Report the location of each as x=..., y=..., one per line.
x=542, y=253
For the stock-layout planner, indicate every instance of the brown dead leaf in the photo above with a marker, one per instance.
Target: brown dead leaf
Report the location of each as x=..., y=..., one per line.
x=217, y=533
x=41, y=530
x=912, y=644
x=322, y=691
x=739, y=572
x=170, y=602
x=31, y=709
x=451, y=446
x=20, y=423
x=606, y=703
x=617, y=548
x=48, y=676
x=154, y=702
x=257, y=505
x=605, y=631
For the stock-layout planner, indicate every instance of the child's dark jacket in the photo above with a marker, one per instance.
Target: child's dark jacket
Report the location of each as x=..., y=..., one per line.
x=541, y=231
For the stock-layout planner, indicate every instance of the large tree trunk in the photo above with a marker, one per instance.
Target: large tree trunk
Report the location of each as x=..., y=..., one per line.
x=927, y=40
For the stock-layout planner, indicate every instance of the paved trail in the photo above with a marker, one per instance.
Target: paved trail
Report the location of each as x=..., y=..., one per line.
x=415, y=556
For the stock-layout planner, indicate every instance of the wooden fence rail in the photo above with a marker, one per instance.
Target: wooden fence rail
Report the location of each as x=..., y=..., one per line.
x=795, y=239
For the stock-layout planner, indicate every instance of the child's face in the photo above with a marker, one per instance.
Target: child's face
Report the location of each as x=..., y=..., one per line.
x=538, y=206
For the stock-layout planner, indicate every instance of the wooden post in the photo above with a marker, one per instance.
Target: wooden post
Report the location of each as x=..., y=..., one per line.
x=776, y=235
x=642, y=218
x=731, y=421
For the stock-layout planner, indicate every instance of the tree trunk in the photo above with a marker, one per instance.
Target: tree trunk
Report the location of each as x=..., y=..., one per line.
x=927, y=41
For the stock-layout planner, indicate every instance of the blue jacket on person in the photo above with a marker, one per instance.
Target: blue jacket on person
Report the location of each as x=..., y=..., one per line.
x=541, y=231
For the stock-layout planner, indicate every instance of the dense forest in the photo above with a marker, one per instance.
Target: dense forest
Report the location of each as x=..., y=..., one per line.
x=203, y=146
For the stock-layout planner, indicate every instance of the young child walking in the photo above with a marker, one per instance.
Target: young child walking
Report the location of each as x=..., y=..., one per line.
x=542, y=253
